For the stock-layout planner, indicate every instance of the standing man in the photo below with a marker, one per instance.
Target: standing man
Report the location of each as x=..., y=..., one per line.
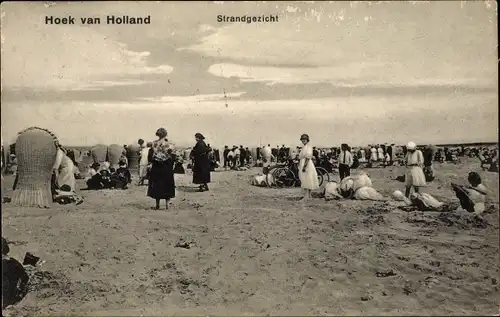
x=225, y=153
x=243, y=155
x=315, y=156
x=389, y=151
x=248, y=155
x=345, y=161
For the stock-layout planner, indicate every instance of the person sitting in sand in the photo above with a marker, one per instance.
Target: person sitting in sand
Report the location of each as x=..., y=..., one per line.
x=121, y=177
x=64, y=170
x=472, y=197
x=14, y=278
x=101, y=180
x=493, y=162
x=104, y=167
x=178, y=167
x=92, y=171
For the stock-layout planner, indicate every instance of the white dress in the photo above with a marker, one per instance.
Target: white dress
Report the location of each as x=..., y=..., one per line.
x=362, y=157
x=373, y=156
x=66, y=170
x=381, y=156
x=143, y=162
x=309, y=178
x=415, y=175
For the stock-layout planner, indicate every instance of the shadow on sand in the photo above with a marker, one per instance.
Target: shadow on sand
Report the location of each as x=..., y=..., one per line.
x=187, y=189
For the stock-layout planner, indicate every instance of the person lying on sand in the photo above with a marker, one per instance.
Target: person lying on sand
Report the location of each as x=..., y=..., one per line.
x=472, y=197
x=421, y=202
x=353, y=187
x=266, y=180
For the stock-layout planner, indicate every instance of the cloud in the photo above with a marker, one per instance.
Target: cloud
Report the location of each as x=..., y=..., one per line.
x=356, y=120
x=194, y=98
x=350, y=75
x=61, y=57
x=393, y=42
x=206, y=28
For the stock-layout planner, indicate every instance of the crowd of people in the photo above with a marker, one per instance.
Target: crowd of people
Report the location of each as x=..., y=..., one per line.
x=158, y=161
x=417, y=160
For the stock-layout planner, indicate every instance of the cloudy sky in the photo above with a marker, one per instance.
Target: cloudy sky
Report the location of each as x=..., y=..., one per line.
x=356, y=72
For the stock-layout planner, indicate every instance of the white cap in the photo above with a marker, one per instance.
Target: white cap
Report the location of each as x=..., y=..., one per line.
x=411, y=146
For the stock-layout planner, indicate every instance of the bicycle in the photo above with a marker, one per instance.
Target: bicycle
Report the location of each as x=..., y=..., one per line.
x=287, y=175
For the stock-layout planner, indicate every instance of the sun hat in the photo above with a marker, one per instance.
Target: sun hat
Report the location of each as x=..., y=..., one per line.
x=304, y=137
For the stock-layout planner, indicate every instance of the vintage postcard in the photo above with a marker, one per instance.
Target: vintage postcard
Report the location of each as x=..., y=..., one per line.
x=219, y=158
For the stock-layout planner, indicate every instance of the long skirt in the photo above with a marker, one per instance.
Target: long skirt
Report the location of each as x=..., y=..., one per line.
x=309, y=179
x=143, y=170
x=161, y=184
x=201, y=170
x=415, y=177
x=67, y=177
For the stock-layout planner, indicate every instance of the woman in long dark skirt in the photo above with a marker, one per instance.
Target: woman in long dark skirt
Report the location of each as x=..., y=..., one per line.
x=161, y=183
x=201, y=163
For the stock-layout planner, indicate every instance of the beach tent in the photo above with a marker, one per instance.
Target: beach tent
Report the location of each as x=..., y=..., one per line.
x=115, y=152
x=133, y=156
x=99, y=153
x=36, y=153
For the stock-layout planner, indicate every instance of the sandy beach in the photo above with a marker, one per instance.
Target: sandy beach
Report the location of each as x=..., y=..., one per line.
x=244, y=250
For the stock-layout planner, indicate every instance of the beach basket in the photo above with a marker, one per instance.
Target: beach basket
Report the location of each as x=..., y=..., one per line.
x=86, y=161
x=254, y=153
x=36, y=153
x=99, y=153
x=115, y=152
x=133, y=156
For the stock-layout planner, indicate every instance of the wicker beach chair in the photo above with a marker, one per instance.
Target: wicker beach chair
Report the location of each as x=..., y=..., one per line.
x=99, y=153
x=115, y=151
x=133, y=156
x=36, y=153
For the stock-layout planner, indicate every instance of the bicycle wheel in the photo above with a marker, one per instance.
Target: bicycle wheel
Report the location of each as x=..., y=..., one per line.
x=284, y=177
x=320, y=178
x=325, y=176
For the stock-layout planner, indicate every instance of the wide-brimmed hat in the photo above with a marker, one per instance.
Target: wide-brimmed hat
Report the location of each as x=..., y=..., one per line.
x=304, y=137
x=411, y=146
x=199, y=136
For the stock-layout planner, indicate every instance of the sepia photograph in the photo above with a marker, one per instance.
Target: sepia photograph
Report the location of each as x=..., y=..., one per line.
x=257, y=158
